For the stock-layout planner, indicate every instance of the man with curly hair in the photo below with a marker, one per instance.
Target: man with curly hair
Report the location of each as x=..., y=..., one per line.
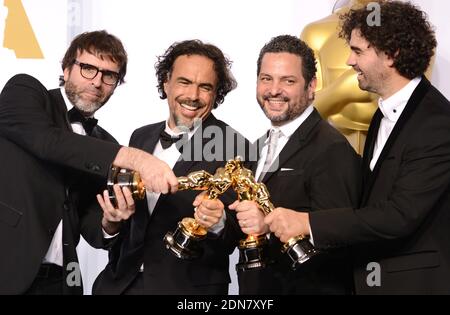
x=400, y=233
x=194, y=77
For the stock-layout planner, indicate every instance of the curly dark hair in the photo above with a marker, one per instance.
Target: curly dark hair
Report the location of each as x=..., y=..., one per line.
x=405, y=35
x=292, y=45
x=222, y=66
x=98, y=43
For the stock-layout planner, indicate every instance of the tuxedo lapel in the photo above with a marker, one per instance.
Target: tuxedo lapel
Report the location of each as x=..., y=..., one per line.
x=368, y=154
x=151, y=141
x=369, y=177
x=259, y=144
x=60, y=108
x=186, y=162
x=189, y=159
x=295, y=142
x=70, y=219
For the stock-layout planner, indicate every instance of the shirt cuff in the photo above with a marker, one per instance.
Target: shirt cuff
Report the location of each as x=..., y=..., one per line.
x=218, y=228
x=108, y=236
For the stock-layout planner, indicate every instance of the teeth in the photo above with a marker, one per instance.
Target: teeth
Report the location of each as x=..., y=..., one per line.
x=188, y=107
x=276, y=100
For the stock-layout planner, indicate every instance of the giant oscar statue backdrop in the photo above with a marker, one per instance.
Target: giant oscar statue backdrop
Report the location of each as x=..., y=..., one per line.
x=338, y=97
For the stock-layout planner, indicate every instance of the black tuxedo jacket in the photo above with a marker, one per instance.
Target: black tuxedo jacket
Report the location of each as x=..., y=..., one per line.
x=43, y=164
x=317, y=169
x=141, y=238
x=403, y=222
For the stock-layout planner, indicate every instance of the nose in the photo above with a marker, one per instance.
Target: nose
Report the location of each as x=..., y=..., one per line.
x=351, y=60
x=192, y=92
x=275, y=88
x=97, y=80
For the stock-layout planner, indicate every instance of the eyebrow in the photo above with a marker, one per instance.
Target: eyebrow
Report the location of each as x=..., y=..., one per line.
x=354, y=48
x=99, y=69
x=285, y=77
x=184, y=79
x=200, y=84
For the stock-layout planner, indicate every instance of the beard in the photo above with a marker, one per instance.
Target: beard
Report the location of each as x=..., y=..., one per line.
x=183, y=123
x=289, y=114
x=87, y=108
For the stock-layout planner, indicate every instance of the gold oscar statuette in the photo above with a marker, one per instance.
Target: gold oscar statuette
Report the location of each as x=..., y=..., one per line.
x=252, y=249
x=184, y=241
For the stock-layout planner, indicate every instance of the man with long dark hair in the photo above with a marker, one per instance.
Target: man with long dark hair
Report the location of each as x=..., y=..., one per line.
x=194, y=77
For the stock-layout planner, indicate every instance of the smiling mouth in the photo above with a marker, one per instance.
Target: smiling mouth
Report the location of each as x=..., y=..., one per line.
x=190, y=107
x=276, y=103
x=358, y=72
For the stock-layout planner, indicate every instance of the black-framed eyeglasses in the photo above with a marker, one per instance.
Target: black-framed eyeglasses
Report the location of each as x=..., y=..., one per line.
x=89, y=72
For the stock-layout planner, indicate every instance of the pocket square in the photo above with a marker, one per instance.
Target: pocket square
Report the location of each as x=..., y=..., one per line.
x=286, y=169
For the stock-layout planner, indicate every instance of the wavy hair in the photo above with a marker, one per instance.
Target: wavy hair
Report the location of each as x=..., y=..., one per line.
x=222, y=66
x=405, y=35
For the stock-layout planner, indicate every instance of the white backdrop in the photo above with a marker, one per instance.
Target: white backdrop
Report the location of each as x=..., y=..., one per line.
x=147, y=28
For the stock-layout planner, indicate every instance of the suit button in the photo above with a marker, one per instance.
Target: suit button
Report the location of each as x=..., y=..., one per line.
x=65, y=206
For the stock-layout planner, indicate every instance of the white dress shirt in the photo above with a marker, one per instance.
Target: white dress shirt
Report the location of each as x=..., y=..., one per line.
x=392, y=108
x=286, y=132
x=171, y=156
x=55, y=251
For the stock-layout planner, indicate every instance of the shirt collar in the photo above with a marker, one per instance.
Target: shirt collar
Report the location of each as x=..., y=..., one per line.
x=69, y=105
x=176, y=134
x=289, y=128
x=393, y=107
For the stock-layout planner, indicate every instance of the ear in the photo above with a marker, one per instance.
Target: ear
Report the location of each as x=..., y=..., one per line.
x=66, y=73
x=312, y=88
x=389, y=61
x=166, y=83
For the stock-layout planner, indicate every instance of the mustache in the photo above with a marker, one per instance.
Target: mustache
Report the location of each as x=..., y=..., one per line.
x=94, y=91
x=191, y=103
x=266, y=97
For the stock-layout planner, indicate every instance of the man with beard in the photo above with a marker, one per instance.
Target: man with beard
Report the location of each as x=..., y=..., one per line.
x=306, y=165
x=61, y=160
x=195, y=77
x=400, y=231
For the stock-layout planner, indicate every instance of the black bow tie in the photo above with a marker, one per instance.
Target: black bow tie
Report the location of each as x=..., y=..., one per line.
x=88, y=124
x=167, y=140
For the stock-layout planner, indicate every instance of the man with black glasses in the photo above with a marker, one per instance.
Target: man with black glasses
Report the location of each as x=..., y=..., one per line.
x=61, y=158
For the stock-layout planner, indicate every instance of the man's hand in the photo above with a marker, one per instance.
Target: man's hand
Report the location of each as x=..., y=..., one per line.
x=113, y=217
x=156, y=175
x=207, y=212
x=250, y=217
x=286, y=223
